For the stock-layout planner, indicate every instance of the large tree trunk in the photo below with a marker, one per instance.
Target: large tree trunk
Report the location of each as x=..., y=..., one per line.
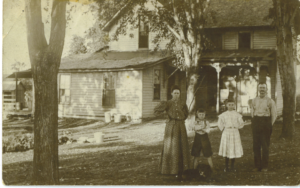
x=286, y=59
x=45, y=61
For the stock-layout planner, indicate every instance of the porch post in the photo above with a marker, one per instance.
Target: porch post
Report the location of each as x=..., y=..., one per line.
x=218, y=67
x=33, y=99
x=16, y=78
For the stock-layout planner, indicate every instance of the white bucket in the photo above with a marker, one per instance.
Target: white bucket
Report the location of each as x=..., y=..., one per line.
x=118, y=118
x=18, y=106
x=107, y=117
x=99, y=137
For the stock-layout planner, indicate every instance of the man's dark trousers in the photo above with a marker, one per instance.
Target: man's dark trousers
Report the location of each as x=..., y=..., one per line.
x=262, y=130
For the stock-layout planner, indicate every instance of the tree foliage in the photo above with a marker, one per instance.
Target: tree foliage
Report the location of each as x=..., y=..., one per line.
x=96, y=38
x=182, y=22
x=78, y=45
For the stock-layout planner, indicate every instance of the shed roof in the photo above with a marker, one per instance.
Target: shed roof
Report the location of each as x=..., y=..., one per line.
x=113, y=60
x=9, y=85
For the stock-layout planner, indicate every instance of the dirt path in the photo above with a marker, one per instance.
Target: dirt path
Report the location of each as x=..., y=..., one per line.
x=134, y=159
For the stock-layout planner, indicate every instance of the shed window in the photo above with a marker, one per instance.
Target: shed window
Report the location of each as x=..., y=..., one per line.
x=157, y=81
x=64, y=88
x=108, y=97
x=143, y=34
x=244, y=40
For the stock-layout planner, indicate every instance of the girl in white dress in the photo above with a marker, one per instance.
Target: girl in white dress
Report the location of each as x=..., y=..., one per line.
x=231, y=145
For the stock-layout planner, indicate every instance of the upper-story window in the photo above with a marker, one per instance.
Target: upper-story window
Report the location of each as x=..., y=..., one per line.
x=244, y=40
x=217, y=41
x=143, y=34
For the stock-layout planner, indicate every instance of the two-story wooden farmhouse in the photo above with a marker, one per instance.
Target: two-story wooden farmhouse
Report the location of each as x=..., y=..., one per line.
x=132, y=79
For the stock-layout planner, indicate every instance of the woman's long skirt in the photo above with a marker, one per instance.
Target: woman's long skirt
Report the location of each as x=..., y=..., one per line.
x=175, y=156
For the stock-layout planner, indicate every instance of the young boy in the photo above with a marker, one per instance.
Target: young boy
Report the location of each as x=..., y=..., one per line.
x=201, y=140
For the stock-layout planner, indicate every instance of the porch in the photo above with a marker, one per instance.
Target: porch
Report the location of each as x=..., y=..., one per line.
x=234, y=74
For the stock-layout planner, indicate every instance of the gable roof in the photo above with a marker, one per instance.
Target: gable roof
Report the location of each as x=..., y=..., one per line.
x=113, y=60
x=228, y=13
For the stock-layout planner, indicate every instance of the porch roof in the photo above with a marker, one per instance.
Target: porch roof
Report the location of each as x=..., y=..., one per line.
x=21, y=74
x=9, y=85
x=113, y=60
x=237, y=56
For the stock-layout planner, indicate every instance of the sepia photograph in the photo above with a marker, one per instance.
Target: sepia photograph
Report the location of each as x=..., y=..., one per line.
x=151, y=92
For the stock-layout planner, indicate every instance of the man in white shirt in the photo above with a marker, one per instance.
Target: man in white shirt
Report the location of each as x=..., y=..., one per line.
x=264, y=113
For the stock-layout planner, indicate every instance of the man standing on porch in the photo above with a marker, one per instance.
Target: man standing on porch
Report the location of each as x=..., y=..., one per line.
x=263, y=111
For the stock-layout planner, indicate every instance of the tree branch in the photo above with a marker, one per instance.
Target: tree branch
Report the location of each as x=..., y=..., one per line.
x=35, y=29
x=58, y=26
x=293, y=16
x=172, y=30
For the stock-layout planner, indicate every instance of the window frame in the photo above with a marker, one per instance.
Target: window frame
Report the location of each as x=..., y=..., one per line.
x=139, y=34
x=250, y=40
x=221, y=40
x=111, y=88
x=160, y=80
x=59, y=89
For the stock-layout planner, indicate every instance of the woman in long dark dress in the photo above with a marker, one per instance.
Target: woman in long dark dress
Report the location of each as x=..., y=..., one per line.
x=175, y=157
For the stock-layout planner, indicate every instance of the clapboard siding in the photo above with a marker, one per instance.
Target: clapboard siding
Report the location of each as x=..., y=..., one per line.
x=86, y=95
x=152, y=45
x=230, y=40
x=264, y=40
x=148, y=91
x=279, y=99
x=128, y=42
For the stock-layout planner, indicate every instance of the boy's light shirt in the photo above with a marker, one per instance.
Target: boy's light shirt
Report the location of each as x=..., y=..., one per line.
x=200, y=128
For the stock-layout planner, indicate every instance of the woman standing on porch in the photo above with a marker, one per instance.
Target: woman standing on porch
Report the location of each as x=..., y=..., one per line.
x=175, y=156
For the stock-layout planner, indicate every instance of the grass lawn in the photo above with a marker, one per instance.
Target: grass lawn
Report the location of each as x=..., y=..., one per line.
x=134, y=159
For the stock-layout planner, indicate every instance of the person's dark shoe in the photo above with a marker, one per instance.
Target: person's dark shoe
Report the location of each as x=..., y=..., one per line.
x=264, y=170
x=255, y=170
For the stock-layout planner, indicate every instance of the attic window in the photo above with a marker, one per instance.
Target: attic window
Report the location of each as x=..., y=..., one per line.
x=244, y=40
x=143, y=34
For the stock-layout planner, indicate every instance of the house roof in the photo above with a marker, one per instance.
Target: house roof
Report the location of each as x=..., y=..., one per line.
x=113, y=60
x=9, y=85
x=228, y=13
x=237, y=13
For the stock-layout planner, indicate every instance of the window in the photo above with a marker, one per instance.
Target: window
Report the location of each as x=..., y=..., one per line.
x=244, y=40
x=143, y=34
x=64, y=88
x=108, y=97
x=157, y=80
x=217, y=41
